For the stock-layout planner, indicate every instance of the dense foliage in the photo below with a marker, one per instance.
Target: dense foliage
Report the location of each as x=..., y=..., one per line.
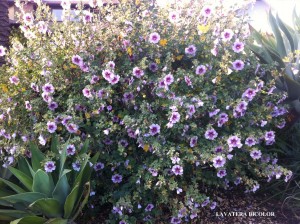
x=171, y=97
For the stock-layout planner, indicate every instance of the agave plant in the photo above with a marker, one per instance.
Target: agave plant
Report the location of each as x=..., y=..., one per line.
x=283, y=49
x=46, y=197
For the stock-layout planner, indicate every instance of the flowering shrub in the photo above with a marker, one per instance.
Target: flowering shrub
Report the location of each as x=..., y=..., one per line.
x=171, y=97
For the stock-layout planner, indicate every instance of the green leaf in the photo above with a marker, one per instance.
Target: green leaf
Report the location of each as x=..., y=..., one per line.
x=57, y=221
x=29, y=220
x=86, y=194
x=62, y=188
x=37, y=156
x=70, y=202
x=49, y=207
x=276, y=31
x=13, y=186
x=293, y=88
x=22, y=165
x=85, y=146
x=22, y=177
x=28, y=197
x=63, y=157
x=286, y=32
x=55, y=144
x=42, y=183
x=11, y=214
x=30, y=169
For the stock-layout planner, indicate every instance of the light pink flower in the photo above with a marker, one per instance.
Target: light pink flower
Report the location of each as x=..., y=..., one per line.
x=137, y=72
x=14, y=80
x=28, y=19
x=200, y=70
x=238, y=46
x=191, y=50
x=238, y=65
x=227, y=35
x=219, y=161
x=154, y=38
x=177, y=170
x=154, y=129
x=2, y=51
x=169, y=79
x=206, y=11
x=173, y=17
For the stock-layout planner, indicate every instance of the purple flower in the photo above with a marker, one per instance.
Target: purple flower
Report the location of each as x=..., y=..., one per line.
x=76, y=166
x=214, y=112
x=46, y=97
x=111, y=64
x=200, y=70
x=77, y=60
x=137, y=72
x=153, y=172
x=191, y=110
x=211, y=134
x=250, y=141
x=98, y=166
x=34, y=87
x=49, y=166
x=128, y=96
x=213, y=205
x=219, y=161
x=52, y=105
x=218, y=149
x=177, y=170
x=175, y=159
x=42, y=27
x=206, y=11
x=122, y=222
x=123, y=143
x=221, y=173
x=191, y=50
x=117, y=178
x=223, y=118
x=84, y=67
x=168, y=79
x=173, y=17
x=255, y=154
x=249, y=94
x=193, y=141
x=241, y=107
x=154, y=129
x=115, y=79
x=51, y=126
x=28, y=105
x=175, y=117
x=153, y=67
x=107, y=74
x=175, y=220
x=227, y=35
x=14, y=80
x=2, y=51
x=28, y=18
x=149, y=207
x=154, y=38
x=70, y=150
x=48, y=88
x=270, y=136
x=238, y=46
x=188, y=81
x=87, y=18
x=238, y=65
x=72, y=128
x=87, y=93
x=234, y=141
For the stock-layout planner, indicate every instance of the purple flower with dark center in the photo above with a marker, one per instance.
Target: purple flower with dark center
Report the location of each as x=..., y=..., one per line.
x=281, y=125
x=46, y=97
x=211, y=134
x=255, y=154
x=77, y=60
x=205, y=202
x=191, y=50
x=128, y=96
x=149, y=207
x=49, y=166
x=87, y=18
x=200, y=70
x=52, y=105
x=221, y=173
x=111, y=64
x=14, y=80
x=234, y=141
x=218, y=149
x=70, y=150
x=238, y=65
x=223, y=118
x=137, y=72
x=108, y=75
x=191, y=110
x=28, y=105
x=175, y=117
x=162, y=84
x=84, y=67
x=154, y=38
x=219, y=161
x=2, y=51
x=153, y=172
x=270, y=136
x=131, y=133
x=175, y=159
x=153, y=67
x=76, y=166
x=173, y=17
x=28, y=18
x=98, y=166
x=115, y=79
x=169, y=79
x=122, y=222
x=109, y=107
x=34, y=87
x=48, y=88
x=117, y=178
x=238, y=46
x=249, y=94
x=51, y=126
x=65, y=120
x=227, y=35
x=206, y=11
x=175, y=220
x=214, y=112
x=193, y=141
x=237, y=181
x=154, y=129
x=188, y=81
x=123, y=143
x=87, y=93
x=72, y=128
x=177, y=170
x=250, y=141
